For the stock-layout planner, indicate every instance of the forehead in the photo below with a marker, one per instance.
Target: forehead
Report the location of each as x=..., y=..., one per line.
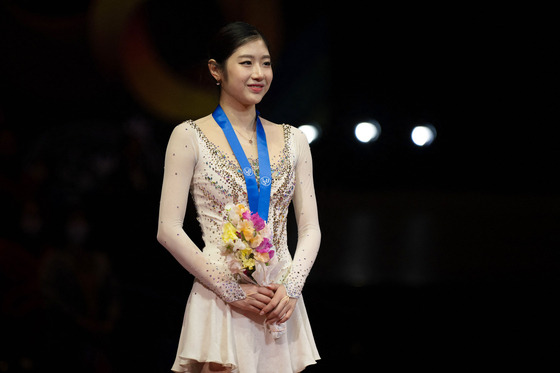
x=256, y=48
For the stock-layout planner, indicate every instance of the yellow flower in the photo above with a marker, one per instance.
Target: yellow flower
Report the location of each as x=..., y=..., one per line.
x=229, y=233
x=262, y=257
x=247, y=230
x=246, y=252
x=241, y=209
x=255, y=241
x=246, y=260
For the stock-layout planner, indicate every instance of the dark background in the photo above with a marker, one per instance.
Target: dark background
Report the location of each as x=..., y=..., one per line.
x=443, y=257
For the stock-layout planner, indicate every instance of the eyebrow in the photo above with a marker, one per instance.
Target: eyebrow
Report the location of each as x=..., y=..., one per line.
x=251, y=56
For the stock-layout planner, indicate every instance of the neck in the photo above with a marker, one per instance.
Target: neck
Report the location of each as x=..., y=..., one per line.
x=240, y=116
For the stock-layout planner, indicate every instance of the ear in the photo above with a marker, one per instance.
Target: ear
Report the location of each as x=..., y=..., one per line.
x=215, y=70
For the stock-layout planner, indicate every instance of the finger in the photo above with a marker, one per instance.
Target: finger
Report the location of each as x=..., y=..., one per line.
x=245, y=306
x=251, y=304
x=280, y=310
x=255, y=306
x=273, y=287
x=260, y=301
x=253, y=309
x=266, y=291
x=261, y=293
x=285, y=313
x=275, y=305
x=279, y=296
x=270, y=306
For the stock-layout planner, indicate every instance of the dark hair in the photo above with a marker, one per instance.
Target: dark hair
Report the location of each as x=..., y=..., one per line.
x=229, y=38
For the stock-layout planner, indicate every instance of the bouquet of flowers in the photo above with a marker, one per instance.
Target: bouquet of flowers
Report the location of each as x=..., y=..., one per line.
x=250, y=255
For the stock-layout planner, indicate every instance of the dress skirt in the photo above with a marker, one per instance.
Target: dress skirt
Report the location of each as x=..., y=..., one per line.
x=213, y=331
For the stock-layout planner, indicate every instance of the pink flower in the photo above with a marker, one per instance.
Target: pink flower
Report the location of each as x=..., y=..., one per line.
x=258, y=222
x=264, y=246
x=246, y=215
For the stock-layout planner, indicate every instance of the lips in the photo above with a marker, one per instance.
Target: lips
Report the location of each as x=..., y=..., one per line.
x=256, y=87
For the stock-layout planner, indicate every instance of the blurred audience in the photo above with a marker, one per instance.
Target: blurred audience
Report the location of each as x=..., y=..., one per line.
x=63, y=193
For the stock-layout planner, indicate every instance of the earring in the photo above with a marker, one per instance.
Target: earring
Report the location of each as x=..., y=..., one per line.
x=217, y=83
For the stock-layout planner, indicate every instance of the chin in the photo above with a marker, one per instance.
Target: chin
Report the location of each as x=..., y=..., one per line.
x=254, y=100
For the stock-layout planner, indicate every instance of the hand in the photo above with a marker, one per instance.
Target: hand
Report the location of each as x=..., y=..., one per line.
x=281, y=307
x=257, y=297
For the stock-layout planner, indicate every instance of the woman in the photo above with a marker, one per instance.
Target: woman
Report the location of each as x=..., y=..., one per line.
x=225, y=324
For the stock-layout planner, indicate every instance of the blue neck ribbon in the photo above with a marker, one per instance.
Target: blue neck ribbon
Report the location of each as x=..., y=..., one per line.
x=259, y=198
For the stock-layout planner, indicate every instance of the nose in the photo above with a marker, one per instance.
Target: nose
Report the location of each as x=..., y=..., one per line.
x=258, y=73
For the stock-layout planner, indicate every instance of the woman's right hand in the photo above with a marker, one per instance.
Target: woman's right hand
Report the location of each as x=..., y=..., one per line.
x=257, y=297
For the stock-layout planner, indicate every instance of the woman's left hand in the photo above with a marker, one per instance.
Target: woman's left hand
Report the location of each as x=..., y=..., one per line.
x=281, y=307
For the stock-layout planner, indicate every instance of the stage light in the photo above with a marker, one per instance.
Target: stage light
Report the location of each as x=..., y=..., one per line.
x=423, y=135
x=367, y=131
x=311, y=131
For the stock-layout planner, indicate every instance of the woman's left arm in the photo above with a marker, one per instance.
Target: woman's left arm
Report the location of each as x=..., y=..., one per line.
x=282, y=305
x=307, y=218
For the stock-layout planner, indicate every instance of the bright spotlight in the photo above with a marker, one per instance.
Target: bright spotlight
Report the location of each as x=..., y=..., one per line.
x=423, y=135
x=367, y=131
x=311, y=131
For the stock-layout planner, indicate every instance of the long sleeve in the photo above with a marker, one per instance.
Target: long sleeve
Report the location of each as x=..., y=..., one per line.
x=180, y=163
x=305, y=208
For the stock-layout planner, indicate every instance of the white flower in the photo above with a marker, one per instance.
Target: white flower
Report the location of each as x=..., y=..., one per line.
x=234, y=264
x=238, y=245
x=233, y=213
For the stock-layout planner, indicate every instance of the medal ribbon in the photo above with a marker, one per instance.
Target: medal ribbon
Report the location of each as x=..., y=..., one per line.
x=259, y=198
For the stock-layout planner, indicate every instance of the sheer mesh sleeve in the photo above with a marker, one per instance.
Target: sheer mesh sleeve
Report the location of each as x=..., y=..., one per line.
x=180, y=164
x=305, y=208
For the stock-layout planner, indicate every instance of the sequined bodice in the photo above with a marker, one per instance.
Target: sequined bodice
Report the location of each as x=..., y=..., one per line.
x=199, y=161
x=218, y=180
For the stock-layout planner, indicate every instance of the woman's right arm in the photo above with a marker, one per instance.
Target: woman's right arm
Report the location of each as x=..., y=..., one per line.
x=180, y=164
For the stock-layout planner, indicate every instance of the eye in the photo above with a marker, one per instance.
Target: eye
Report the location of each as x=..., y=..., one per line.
x=267, y=63
x=245, y=62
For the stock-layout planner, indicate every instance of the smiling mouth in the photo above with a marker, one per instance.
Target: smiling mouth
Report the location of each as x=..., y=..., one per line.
x=256, y=87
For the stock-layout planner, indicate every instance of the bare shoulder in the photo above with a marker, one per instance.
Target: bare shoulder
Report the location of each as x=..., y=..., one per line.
x=208, y=126
x=282, y=127
x=272, y=127
x=205, y=122
x=184, y=130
